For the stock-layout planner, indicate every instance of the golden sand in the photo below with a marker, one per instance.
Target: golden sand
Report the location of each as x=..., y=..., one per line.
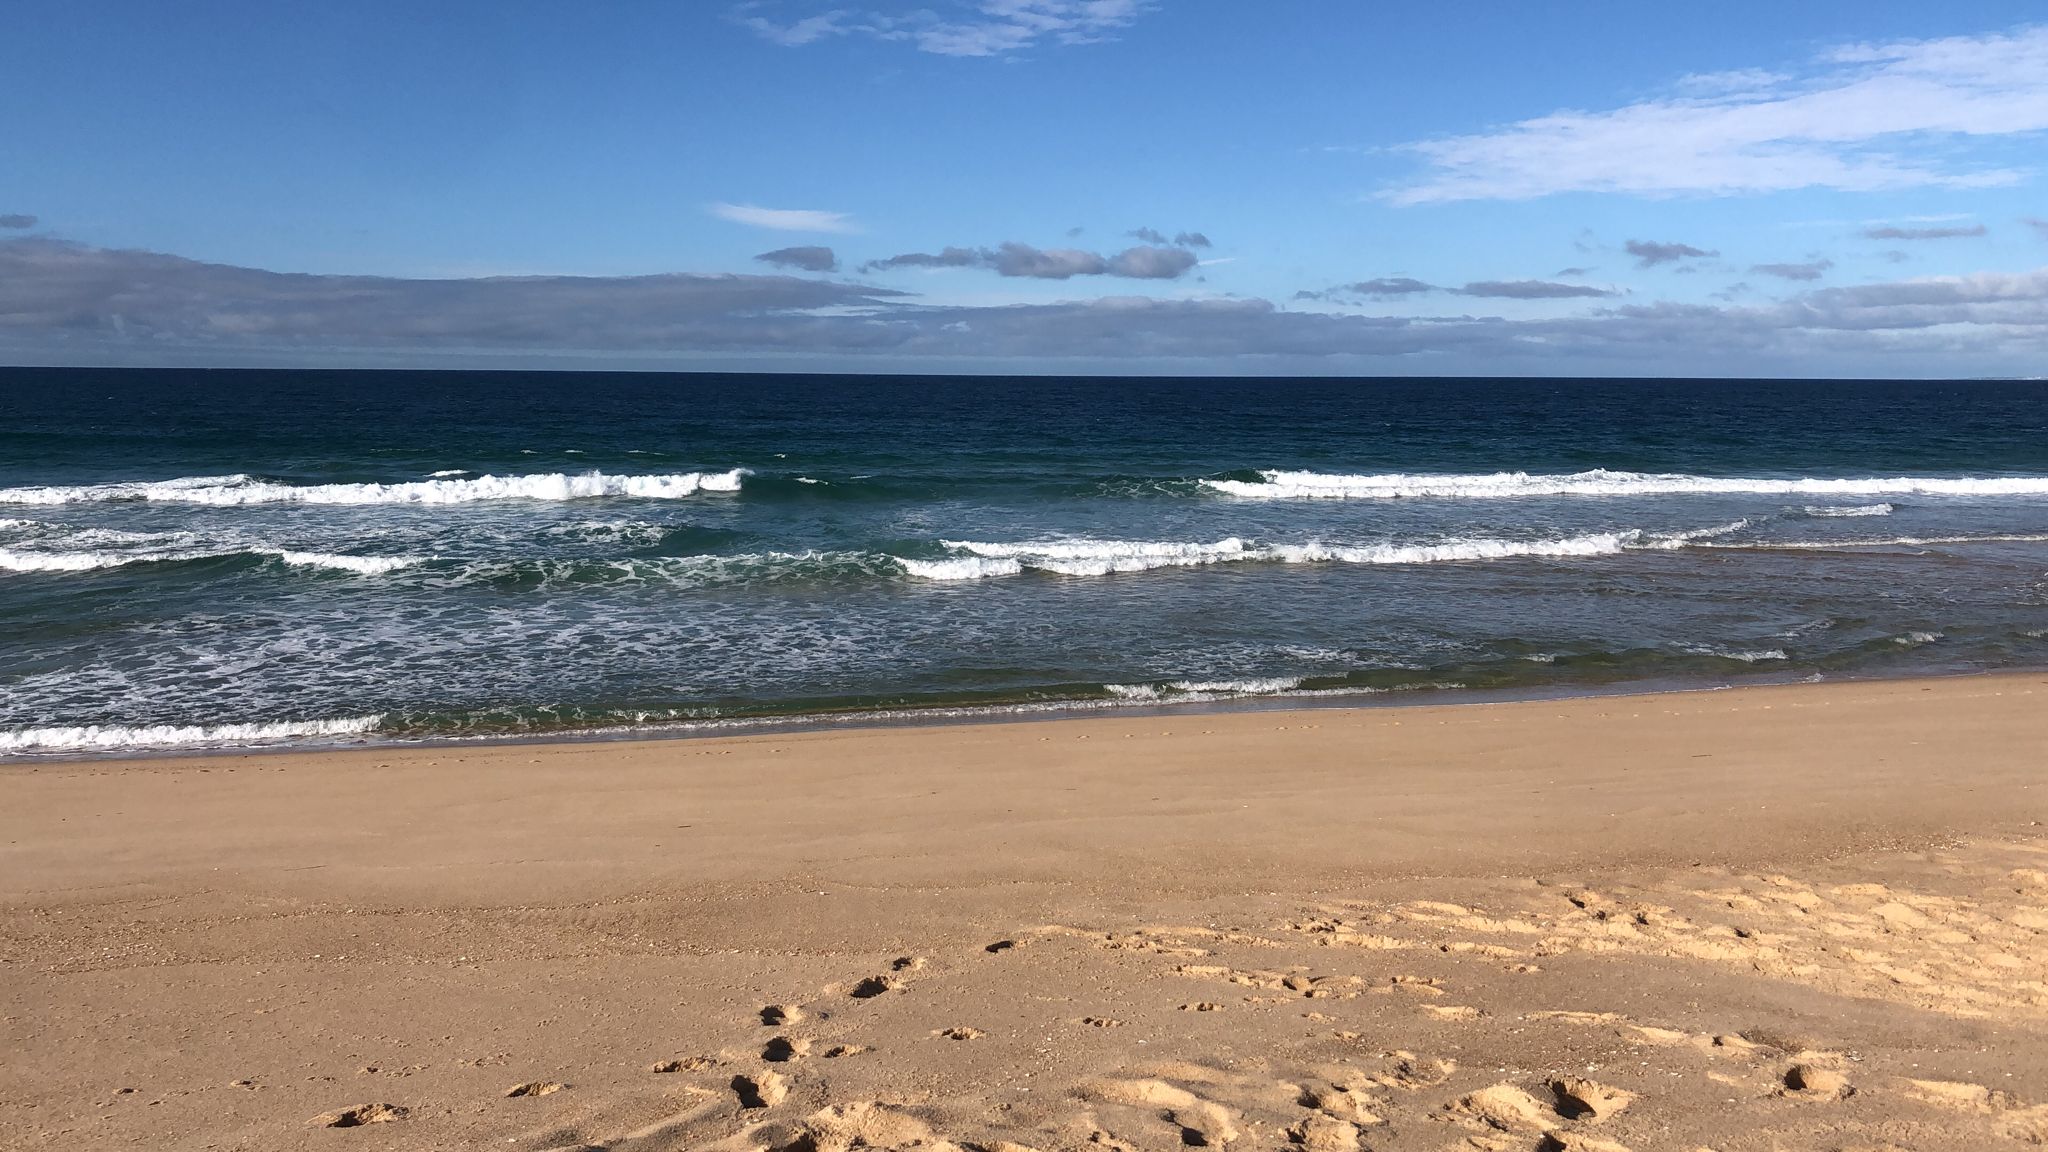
x=1765, y=918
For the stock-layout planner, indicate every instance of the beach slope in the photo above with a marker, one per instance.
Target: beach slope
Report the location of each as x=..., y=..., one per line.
x=1811, y=916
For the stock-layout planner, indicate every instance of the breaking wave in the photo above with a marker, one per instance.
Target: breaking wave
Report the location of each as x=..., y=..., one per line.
x=978, y=559
x=29, y=560
x=244, y=489
x=1285, y=485
x=1838, y=510
x=119, y=737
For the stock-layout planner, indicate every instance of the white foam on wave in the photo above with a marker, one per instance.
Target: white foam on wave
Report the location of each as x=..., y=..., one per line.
x=1841, y=510
x=1474, y=548
x=960, y=568
x=1746, y=655
x=1101, y=557
x=25, y=560
x=1915, y=639
x=984, y=559
x=119, y=737
x=1300, y=485
x=447, y=472
x=360, y=565
x=1886, y=542
x=243, y=489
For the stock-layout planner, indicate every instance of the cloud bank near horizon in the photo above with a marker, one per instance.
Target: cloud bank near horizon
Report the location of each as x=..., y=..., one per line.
x=62, y=297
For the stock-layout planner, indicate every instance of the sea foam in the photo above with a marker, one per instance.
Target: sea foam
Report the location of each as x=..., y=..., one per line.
x=24, y=560
x=982, y=559
x=120, y=737
x=1297, y=485
x=244, y=489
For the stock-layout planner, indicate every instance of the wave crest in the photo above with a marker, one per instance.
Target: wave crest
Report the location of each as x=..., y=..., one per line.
x=244, y=489
x=1302, y=485
x=121, y=737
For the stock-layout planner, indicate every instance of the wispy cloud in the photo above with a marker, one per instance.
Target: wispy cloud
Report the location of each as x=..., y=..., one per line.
x=1892, y=232
x=17, y=220
x=1530, y=290
x=1024, y=260
x=807, y=258
x=783, y=219
x=1810, y=270
x=983, y=28
x=1859, y=118
x=1398, y=287
x=1650, y=253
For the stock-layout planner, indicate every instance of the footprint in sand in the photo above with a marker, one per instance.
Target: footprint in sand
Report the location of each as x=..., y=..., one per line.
x=1580, y=1099
x=872, y=987
x=1101, y=1022
x=1202, y=1006
x=838, y=1050
x=763, y=1091
x=534, y=1088
x=359, y=1115
x=783, y=1049
x=1203, y=1123
x=960, y=1033
x=693, y=1064
x=1813, y=1082
x=1001, y=946
x=777, y=1015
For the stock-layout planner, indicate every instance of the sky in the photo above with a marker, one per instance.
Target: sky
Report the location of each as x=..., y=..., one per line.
x=1124, y=186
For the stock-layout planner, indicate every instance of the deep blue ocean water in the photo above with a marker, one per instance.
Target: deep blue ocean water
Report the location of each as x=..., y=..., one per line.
x=193, y=558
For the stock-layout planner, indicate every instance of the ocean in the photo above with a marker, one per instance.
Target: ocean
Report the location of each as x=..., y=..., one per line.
x=195, y=559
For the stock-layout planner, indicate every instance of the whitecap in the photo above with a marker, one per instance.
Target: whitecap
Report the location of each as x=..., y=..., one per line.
x=120, y=737
x=1846, y=510
x=1303, y=485
x=244, y=489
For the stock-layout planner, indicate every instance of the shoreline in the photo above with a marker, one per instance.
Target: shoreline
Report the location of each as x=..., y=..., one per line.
x=948, y=716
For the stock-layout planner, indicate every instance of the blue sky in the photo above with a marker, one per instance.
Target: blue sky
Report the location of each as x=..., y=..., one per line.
x=1813, y=189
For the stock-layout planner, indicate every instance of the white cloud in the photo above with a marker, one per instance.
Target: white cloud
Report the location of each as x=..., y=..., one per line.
x=800, y=32
x=784, y=219
x=984, y=28
x=1863, y=118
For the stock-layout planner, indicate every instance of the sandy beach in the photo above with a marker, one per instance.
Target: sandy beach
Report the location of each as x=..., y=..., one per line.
x=1796, y=917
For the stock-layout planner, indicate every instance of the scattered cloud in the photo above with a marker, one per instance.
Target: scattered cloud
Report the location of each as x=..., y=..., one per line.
x=1529, y=290
x=1152, y=263
x=1892, y=232
x=1386, y=288
x=1573, y=271
x=1894, y=256
x=808, y=257
x=985, y=28
x=783, y=219
x=1649, y=253
x=1024, y=260
x=17, y=220
x=1811, y=270
x=1179, y=240
x=1859, y=118
x=61, y=300
x=796, y=33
